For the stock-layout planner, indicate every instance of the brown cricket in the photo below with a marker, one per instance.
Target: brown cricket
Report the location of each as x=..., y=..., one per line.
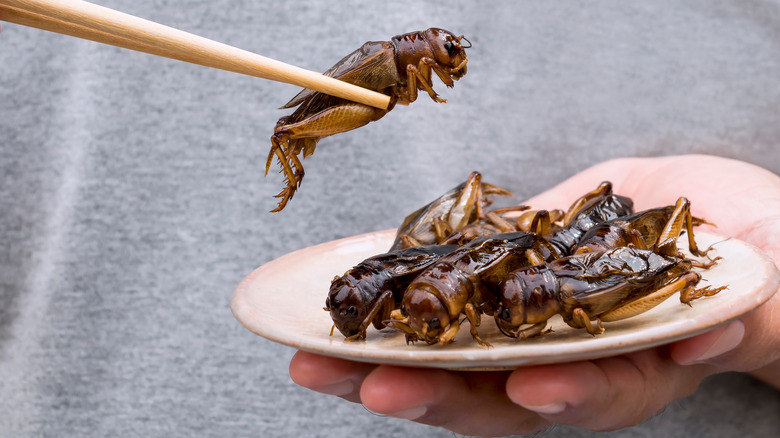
x=398, y=68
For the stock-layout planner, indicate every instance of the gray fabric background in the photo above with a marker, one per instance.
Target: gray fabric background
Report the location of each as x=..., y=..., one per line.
x=133, y=201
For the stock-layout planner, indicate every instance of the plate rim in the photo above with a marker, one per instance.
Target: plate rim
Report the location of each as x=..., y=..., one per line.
x=503, y=357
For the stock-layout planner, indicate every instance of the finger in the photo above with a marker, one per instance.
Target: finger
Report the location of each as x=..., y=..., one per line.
x=329, y=375
x=604, y=394
x=471, y=403
x=748, y=345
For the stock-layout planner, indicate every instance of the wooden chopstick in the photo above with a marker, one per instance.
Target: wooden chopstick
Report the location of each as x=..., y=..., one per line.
x=25, y=18
x=97, y=23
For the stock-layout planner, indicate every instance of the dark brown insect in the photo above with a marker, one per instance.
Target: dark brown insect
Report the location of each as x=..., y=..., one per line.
x=491, y=223
x=595, y=207
x=368, y=292
x=596, y=286
x=461, y=283
x=562, y=230
x=460, y=206
x=648, y=229
x=398, y=68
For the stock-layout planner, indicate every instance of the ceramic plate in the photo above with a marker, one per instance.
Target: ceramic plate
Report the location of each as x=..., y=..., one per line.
x=283, y=301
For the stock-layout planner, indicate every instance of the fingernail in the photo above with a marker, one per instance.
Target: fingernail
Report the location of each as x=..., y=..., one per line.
x=411, y=413
x=549, y=409
x=338, y=389
x=731, y=337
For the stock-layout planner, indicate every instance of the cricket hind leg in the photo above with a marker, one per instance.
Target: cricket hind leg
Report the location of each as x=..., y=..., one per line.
x=290, y=139
x=682, y=220
x=685, y=284
x=604, y=189
x=580, y=319
x=286, y=151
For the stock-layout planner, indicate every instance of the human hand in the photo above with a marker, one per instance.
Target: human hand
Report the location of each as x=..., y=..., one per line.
x=603, y=394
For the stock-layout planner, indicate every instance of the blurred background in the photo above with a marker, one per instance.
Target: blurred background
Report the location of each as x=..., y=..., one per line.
x=133, y=199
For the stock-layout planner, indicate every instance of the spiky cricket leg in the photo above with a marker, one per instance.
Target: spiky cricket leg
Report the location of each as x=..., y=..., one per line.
x=510, y=209
x=524, y=222
x=685, y=285
x=421, y=75
x=281, y=153
x=441, y=229
x=401, y=322
x=449, y=334
x=693, y=294
x=302, y=136
x=705, y=265
x=542, y=223
x=580, y=319
x=474, y=320
x=382, y=302
x=494, y=190
x=292, y=153
x=504, y=225
x=681, y=217
x=408, y=241
x=292, y=178
x=530, y=332
x=605, y=188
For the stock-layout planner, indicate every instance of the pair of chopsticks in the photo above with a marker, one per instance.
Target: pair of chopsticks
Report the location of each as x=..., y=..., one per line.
x=97, y=23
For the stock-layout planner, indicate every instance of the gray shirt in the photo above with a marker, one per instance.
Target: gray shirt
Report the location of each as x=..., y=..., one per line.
x=133, y=197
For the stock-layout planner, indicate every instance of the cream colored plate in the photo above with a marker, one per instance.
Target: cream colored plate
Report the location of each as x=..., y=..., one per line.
x=283, y=300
